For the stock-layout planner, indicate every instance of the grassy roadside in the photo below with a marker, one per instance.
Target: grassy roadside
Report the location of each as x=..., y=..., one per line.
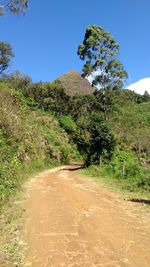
x=11, y=214
x=11, y=250
x=125, y=187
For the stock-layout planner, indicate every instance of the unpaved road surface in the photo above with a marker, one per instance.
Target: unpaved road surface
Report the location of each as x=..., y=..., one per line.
x=74, y=222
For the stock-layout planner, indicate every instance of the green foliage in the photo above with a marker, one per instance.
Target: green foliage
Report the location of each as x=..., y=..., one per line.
x=67, y=123
x=47, y=96
x=124, y=165
x=17, y=80
x=125, y=172
x=95, y=140
x=131, y=125
x=86, y=124
x=99, y=50
x=28, y=140
x=107, y=101
x=81, y=105
x=6, y=54
x=101, y=142
x=135, y=177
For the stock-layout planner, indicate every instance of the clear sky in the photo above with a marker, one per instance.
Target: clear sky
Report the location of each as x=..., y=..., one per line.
x=45, y=40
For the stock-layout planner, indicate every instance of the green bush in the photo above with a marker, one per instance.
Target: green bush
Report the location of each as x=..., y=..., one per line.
x=67, y=123
x=125, y=171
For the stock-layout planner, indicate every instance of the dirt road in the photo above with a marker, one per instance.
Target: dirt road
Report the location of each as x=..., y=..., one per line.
x=74, y=222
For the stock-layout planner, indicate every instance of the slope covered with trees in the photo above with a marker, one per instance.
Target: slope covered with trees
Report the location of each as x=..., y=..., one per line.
x=30, y=140
x=109, y=127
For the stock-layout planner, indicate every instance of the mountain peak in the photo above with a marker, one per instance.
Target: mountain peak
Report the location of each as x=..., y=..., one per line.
x=75, y=84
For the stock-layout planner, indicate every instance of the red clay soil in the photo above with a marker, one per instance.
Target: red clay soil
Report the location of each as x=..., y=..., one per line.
x=71, y=221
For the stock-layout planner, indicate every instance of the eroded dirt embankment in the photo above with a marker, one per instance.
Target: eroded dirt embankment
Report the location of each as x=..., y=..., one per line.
x=74, y=222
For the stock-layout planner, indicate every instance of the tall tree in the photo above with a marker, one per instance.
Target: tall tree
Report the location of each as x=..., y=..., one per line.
x=13, y=6
x=95, y=141
x=99, y=51
x=101, y=143
x=6, y=54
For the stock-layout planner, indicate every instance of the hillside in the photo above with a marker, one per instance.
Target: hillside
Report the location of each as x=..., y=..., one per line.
x=75, y=84
x=29, y=140
x=41, y=125
x=131, y=124
x=129, y=168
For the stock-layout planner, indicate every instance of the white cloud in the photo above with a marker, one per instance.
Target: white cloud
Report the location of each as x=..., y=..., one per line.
x=141, y=86
x=92, y=76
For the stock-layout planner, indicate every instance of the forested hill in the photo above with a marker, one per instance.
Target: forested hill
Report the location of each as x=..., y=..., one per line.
x=41, y=125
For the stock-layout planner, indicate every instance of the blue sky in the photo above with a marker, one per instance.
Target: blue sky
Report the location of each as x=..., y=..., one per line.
x=45, y=41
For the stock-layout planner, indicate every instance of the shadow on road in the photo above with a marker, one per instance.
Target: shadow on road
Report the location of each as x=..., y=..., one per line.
x=140, y=200
x=73, y=167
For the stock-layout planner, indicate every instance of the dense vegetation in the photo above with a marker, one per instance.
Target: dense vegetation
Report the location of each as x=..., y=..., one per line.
x=29, y=140
x=109, y=127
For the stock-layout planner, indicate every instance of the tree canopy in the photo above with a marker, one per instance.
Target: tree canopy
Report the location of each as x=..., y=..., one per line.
x=99, y=51
x=6, y=54
x=13, y=6
x=95, y=141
